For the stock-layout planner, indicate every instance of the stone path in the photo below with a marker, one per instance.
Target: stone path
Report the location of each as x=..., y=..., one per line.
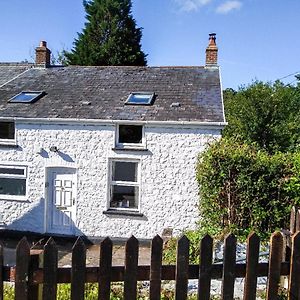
x=92, y=255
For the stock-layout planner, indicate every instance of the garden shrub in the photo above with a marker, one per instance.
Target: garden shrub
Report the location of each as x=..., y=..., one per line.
x=244, y=189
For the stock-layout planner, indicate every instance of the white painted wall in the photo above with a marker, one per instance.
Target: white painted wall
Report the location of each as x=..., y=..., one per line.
x=168, y=191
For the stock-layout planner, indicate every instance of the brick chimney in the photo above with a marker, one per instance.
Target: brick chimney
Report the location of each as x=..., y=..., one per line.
x=212, y=51
x=42, y=55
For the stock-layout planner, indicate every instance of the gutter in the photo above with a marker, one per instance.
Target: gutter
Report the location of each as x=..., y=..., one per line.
x=64, y=121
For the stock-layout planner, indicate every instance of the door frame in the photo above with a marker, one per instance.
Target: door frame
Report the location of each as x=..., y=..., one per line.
x=48, y=197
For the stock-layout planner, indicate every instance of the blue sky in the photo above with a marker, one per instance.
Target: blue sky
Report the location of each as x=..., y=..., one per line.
x=257, y=39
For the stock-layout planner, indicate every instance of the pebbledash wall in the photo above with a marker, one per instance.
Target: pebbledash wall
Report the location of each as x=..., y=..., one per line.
x=168, y=188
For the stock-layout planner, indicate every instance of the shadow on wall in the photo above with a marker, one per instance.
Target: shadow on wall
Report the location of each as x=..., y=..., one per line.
x=64, y=156
x=33, y=221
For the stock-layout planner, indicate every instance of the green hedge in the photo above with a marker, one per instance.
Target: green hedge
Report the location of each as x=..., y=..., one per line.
x=243, y=188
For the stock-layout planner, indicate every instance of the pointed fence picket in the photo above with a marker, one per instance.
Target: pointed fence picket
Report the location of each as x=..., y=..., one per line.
x=276, y=253
x=78, y=270
x=155, y=268
x=39, y=272
x=22, y=268
x=228, y=276
x=131, y=268
x=50, y=270
x=253, y=243
x=205, y=268
x=182, y=268
x=105, y=269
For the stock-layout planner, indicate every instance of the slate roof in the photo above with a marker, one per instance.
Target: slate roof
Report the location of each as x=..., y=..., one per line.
x=9, y=71
x=100, y=93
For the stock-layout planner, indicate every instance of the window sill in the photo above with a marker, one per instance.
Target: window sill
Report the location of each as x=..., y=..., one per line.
x=130, y=149
x=128, y=213
x=13, y=198
x=8, y=143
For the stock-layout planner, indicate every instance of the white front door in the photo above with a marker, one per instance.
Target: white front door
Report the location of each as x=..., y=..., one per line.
x=61, y=213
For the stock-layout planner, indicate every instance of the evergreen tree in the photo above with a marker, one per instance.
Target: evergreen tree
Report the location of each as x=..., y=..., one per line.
x=110, y=36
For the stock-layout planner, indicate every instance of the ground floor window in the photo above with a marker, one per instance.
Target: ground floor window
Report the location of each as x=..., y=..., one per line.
x=124, y=184
x=12, y=181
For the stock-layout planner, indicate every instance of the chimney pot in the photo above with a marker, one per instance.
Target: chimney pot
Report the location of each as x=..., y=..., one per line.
x=42, y=55
x=43, y=44
x=212, y=51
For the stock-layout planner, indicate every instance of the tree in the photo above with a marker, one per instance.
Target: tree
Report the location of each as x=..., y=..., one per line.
x=110, y=36
x=265, y=114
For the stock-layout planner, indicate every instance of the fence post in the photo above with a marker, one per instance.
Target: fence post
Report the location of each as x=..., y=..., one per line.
x=253, y=243
x=294, y=284
x=50, y=270
x=104, y=279
x=293, y=220
x=182, y=268
x=229, y=262
x=205, y=266
x=286, y=254
x=78, y=270
x=274, y=265
x=297, y=227
x=131, y=266
x=22, y=266
x=34, y=290
x=155, y=269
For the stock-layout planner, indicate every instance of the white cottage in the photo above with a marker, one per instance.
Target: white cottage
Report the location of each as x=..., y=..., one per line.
x=104, y=151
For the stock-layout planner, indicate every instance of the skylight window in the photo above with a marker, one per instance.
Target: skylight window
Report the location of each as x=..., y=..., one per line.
x=140, y=98
x=27, y=97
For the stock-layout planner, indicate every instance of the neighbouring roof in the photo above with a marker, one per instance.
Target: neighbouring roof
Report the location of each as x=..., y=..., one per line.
x=101, y=93
x=9, y=71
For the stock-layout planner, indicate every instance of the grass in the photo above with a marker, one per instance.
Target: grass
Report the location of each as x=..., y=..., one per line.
x=91, y=292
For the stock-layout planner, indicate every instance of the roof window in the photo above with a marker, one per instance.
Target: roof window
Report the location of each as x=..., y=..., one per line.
x=140, y=98
x=27, y=97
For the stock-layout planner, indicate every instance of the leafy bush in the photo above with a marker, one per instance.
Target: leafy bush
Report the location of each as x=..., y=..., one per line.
x=293, y=184
x=170, y=246
x=243, y=188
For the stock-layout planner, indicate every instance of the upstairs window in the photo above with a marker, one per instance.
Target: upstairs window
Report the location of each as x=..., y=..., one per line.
x=13, y=182
x=129, y=136
x=124, y=185
x=27, y=97
x=140, y=98
x=7, y=131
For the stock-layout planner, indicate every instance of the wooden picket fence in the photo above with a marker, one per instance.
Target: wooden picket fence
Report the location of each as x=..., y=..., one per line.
x=284, y=260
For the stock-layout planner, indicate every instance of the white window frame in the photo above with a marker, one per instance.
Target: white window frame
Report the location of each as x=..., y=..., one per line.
x=37, y=96
x=15, y=176
x=147, y=94
x=133, y=146
x=9, y=141
x=112, y=183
